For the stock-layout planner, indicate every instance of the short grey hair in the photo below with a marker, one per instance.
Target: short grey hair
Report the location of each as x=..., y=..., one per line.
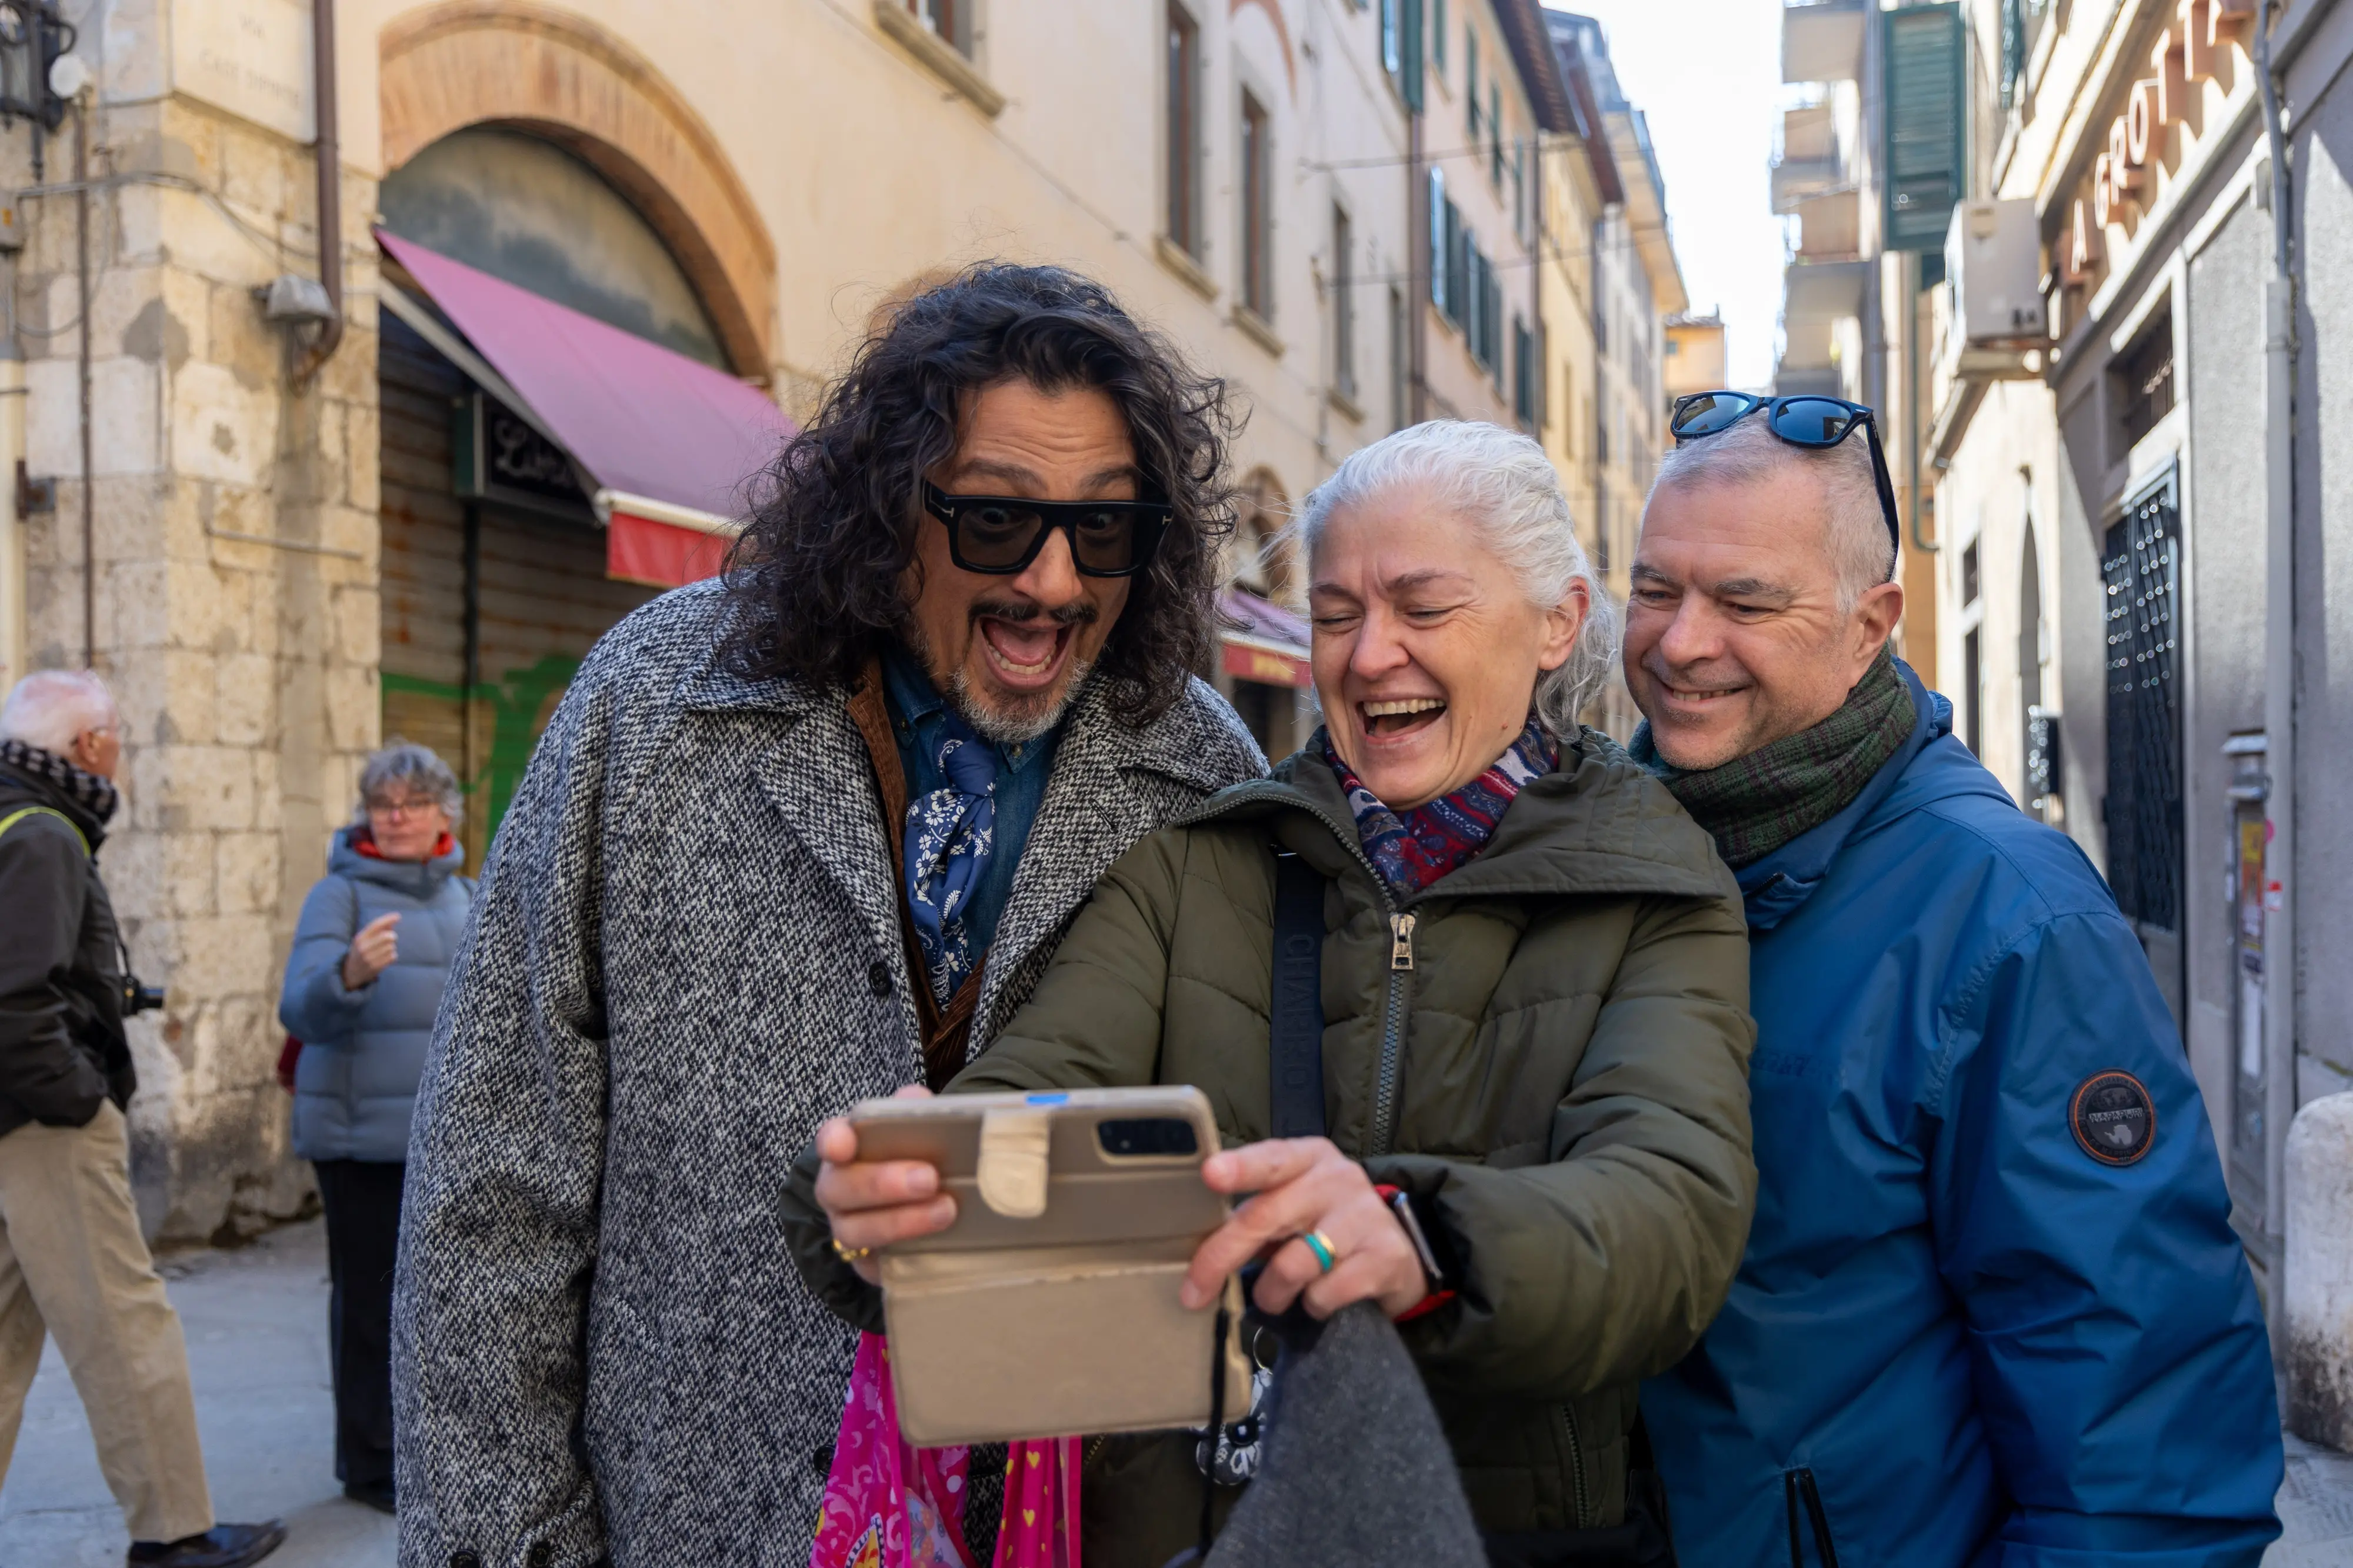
x=1503, y=485
x=50, y=707
x=1862, y=553
x=406, y=762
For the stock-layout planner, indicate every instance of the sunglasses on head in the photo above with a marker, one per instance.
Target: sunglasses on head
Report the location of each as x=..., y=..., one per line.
x=1001, y=535
x=1807, y=420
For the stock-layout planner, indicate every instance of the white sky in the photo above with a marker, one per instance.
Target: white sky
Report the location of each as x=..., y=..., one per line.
x=1707, y=73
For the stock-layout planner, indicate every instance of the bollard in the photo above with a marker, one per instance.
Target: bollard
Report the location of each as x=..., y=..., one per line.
x=2318, y=1354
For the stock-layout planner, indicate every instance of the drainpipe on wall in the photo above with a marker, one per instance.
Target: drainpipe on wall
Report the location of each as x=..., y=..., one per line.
x=1910, y=269
x=1596, y=234
x=82, y=370
x=2279, y=695
x=1417, y=304
x=331, y=188
x=12, y=518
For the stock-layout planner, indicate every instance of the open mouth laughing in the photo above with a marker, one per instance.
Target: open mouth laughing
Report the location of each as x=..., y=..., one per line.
x=1026, y=649
x=1025, y=654
x=1396, y=716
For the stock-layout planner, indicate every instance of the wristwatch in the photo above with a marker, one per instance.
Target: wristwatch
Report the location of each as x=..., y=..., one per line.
x=1400, y=1204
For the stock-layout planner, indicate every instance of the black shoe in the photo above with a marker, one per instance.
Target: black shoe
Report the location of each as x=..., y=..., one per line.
x=377, y=1495
x=222, y=1546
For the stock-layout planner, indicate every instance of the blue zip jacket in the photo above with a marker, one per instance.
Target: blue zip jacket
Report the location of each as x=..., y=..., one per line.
x=1958, y=1336
x=363, y=1050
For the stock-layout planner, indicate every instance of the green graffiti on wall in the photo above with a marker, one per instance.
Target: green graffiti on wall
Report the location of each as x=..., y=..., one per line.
x=515, y=702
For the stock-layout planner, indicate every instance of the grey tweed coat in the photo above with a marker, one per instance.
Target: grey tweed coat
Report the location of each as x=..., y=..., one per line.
x=685, y=954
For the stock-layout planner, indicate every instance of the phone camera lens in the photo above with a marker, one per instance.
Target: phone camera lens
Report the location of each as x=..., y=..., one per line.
x=1144, y=1136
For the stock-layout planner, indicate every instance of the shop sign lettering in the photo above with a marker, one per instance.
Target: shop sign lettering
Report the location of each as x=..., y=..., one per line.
x=2185, y=55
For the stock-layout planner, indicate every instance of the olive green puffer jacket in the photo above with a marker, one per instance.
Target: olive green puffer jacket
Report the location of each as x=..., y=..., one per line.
x=1562, y=1072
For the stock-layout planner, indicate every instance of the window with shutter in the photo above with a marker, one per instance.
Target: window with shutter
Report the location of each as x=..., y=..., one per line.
x=1923, y=124
x=1457, y=266
x=1470, y=81
x=1438, y=251
x=1409, y=76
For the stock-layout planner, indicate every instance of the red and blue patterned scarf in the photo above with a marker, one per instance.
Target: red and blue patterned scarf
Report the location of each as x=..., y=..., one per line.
x=1411, y=850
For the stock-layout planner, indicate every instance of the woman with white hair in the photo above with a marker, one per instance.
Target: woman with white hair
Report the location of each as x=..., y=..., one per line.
x=370, y=954
x=1531, y=1148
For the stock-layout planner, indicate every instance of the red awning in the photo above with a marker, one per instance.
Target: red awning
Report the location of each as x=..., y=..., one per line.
x=669, y=441
x=1263, y=641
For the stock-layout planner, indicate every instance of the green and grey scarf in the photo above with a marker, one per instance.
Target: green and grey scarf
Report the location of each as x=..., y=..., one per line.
x=1754, y=804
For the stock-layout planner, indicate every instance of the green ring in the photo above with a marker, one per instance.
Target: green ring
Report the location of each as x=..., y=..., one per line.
x=1316, y=1244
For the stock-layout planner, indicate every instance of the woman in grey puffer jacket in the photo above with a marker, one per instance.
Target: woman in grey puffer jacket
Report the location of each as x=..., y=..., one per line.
x=371, y=953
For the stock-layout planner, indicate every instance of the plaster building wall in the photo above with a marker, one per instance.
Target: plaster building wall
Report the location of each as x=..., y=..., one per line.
x=2323, y=160
x=1567, y=277
x=1695, y=351
x=2223, y=663
x=1995, y=505
x=1488, y=170
x=1633, y=411
x=2078, y=625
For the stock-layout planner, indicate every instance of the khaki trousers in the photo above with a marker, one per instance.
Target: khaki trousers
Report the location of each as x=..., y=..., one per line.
x=72, y=1263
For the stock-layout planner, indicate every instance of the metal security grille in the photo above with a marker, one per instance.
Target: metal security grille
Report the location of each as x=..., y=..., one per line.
x=2141, y=569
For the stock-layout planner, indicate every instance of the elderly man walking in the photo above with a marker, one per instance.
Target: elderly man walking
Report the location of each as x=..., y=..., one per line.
x=799, y=836
x=73, y=1263
x=1991, y=1309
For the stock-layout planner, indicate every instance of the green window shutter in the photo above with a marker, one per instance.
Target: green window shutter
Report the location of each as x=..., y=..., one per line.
x=1412, y=19
x=1471, y=84
x=1495, y=135
x=1455, y=264
x=1924, y=154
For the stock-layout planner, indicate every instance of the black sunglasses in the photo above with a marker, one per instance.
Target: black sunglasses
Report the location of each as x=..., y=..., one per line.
x=1001, y=535
x=1807, y=420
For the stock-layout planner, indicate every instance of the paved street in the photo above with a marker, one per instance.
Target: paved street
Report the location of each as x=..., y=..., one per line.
x=257, y=1323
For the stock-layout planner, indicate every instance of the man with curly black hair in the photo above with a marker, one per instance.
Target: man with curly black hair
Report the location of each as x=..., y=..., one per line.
x=799, y=835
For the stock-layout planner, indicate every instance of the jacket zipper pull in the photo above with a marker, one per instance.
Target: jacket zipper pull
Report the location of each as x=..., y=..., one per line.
x=1401, y=942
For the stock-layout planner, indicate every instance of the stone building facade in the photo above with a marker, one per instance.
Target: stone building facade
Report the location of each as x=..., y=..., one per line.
x=216, y=563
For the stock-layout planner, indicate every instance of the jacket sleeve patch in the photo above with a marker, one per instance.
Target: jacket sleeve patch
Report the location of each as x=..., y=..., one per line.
x=2112, y=1117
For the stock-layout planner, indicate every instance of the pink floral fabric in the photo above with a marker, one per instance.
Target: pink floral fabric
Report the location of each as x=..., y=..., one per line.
x=888, y=1504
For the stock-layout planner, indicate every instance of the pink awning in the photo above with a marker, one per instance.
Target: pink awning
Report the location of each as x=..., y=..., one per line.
x=1262, y=641
x=669, y=441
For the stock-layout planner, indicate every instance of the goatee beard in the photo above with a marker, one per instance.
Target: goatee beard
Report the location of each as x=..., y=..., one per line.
x=1020, y=721
x=1003, y=721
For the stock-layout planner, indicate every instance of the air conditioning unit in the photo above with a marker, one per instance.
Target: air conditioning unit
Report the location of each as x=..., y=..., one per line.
x=1994, y=261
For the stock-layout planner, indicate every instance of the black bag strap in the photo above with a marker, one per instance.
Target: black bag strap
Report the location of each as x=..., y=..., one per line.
x=1295, y=1034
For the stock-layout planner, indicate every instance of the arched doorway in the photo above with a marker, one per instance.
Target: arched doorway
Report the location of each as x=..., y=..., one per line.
x=539, y=149
x=567, y=81
x=521, y=207
x=495, y=576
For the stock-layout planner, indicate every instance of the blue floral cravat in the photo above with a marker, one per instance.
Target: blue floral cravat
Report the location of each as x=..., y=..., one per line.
x=950, y=833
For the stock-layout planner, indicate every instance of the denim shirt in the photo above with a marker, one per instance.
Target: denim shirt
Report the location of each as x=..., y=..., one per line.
x=918, y=714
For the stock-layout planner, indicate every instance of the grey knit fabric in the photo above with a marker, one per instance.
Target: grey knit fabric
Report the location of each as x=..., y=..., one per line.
x=1356, y=1471
x=685, y=954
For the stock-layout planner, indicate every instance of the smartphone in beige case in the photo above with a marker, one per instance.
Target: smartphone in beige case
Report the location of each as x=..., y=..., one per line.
x=1048, y=1309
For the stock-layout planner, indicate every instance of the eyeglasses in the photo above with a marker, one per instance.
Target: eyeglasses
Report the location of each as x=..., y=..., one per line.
x=1807, y=420
x=411, y=807
x=1001, y=535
